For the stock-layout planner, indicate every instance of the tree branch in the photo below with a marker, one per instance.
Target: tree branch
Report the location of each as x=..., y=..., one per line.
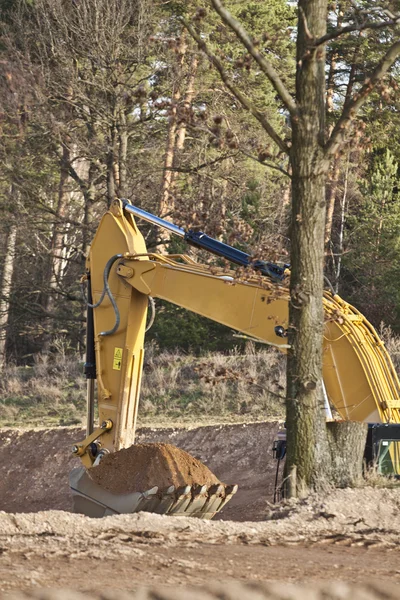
x=265, y=163
x=202, y=165
x=356, y=27
x=243, y=99
x=262, y=62
x=356, y=102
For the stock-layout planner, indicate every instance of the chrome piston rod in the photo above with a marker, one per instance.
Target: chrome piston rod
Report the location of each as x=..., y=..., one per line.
x=142, y=214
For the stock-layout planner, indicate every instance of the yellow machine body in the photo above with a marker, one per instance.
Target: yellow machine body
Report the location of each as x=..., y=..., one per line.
x=359, y=377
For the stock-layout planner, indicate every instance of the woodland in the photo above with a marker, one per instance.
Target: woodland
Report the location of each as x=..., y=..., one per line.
x=101, y=100
x=270, y=125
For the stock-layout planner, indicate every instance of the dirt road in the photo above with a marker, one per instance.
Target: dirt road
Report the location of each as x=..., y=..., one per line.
x=349, y=536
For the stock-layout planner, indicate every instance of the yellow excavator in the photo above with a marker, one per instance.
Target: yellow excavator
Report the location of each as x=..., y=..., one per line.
x=359, y=378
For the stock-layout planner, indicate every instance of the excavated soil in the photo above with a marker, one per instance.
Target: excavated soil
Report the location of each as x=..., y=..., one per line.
x=34, y=464
x=143, y=466
x=350, y=535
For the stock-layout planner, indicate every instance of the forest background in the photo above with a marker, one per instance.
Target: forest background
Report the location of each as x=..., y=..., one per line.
x=101, y=100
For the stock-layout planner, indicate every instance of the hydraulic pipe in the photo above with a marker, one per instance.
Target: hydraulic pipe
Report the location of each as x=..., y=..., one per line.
x=90, y=364
x=205, y=242
x=142, y=214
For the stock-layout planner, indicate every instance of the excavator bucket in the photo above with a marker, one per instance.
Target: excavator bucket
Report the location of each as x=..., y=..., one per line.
x=191, y=501
x=107, y=488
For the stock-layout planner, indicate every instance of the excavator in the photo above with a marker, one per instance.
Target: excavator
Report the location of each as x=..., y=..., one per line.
x=123, y=279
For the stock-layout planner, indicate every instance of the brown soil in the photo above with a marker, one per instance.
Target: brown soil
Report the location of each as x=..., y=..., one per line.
x=227, y=591
x=347, y=536
x=143, y=466
x=34, y=464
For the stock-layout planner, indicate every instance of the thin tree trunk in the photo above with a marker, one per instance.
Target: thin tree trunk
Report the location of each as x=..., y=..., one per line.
x=331, y=199
x=6, y=286
x=343, y=209
x=187, y=103
x=111, y=183
x=335, y=168
x=167, y=204
x=56, y=256
x=123, y=154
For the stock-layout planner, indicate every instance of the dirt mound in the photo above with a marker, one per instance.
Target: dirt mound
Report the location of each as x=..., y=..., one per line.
x=143, y=466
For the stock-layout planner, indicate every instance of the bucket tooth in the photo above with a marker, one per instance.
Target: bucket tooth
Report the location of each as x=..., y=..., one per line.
x=216, y=494
x=199, y=498
x=230, y=491
x=183, y=499
x=167, y=500
x=148, y=500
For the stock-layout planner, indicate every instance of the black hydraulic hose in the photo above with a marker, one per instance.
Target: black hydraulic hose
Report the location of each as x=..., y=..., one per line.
x=107, y=290
x=90, y=364
x=106, y=274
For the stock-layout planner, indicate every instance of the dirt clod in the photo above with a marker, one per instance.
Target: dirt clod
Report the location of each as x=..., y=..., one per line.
x=143, y=466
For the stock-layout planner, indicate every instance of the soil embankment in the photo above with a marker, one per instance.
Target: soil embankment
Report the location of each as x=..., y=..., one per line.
x=34, y=464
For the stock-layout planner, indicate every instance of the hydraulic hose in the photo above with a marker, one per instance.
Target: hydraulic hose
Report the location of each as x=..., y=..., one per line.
x=107, y=290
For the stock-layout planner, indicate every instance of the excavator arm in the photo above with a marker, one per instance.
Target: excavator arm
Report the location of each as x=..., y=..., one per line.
x=359, y=377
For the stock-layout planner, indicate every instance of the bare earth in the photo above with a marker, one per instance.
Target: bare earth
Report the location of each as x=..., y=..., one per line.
x=349, y=536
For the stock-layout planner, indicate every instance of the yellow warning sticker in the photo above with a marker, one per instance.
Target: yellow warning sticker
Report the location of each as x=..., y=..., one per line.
x=117, y=359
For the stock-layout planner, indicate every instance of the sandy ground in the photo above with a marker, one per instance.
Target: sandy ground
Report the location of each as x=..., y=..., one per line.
x=349, y=536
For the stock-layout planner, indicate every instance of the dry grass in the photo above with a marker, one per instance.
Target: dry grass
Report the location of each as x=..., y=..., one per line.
x=176, y=388
x=238, y=386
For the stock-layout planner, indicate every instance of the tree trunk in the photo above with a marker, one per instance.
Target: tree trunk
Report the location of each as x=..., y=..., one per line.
x=331, y=199
x=167, y=204
x=343, y=210
x=187, y=104
x=347, y=441
x=56, y=257
x=305, y=420
x=8, y=270
x=123, y=154
x=111, y=179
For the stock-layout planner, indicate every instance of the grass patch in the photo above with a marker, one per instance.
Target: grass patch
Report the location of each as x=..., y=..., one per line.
x=176, y=388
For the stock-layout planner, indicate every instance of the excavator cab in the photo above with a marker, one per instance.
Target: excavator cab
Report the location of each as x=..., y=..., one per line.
x=383, y=449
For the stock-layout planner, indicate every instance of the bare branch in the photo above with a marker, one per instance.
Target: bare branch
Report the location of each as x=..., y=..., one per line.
x=351, y=109
x=267, y=164
x=356, y=27
x=262, y=62
x=202, y=165
x=308, y=33
x=243, y=99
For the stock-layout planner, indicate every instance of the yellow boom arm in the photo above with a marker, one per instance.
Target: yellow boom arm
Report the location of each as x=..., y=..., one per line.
x=359, y=376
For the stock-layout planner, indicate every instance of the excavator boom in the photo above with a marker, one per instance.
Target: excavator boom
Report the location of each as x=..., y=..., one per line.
x=359, y=377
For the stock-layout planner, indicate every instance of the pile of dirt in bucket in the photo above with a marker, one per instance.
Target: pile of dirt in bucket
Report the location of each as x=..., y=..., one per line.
x=143, y=466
